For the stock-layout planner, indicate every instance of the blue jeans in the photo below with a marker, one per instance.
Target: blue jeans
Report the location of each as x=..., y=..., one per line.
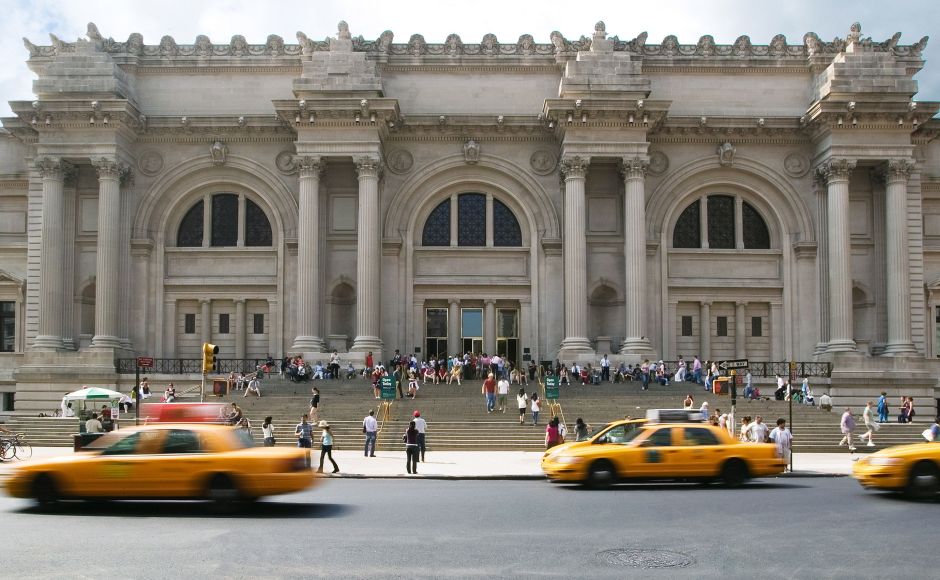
x=883, y=415
x=305, y=443
x=490, y=401
x=421, y=444
x=370, y=443
x=697, y=375
x=535, y=417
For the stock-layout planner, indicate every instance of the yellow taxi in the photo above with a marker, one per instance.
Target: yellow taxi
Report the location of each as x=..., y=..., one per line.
x=911, y=469
x=166, y=462
x=647, y=450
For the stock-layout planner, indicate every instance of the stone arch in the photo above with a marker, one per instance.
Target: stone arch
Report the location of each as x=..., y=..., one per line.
x=162, y=203
x=341, y=300
x=605, y=309
x=863, y=316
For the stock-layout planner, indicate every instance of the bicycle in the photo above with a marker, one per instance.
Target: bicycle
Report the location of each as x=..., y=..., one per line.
x=15, y=446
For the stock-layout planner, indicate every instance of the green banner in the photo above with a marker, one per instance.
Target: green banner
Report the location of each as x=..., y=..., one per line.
x=551, y=388
x=388, y=387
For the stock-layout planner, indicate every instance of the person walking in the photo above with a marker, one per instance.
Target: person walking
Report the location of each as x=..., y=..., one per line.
x=422, y=426
x=489, y=390
x=502, y=391
x=410, y=438
x=581, y=430
x=521, y=401
x=267, y=430
x=304, y=434
x=552, y=435
x=314, y=412
x=326, y=446
x=783, y=438
x=536, y=407
x=847, y=425
x=868, y=418
x=883, y=407
x=371, y=428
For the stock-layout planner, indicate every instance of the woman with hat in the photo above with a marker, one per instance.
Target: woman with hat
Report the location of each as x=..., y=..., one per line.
x=326, y=446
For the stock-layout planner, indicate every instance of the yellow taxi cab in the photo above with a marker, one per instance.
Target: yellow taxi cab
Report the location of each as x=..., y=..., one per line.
x=912, y=469
x=669, y=447
x=166, y=461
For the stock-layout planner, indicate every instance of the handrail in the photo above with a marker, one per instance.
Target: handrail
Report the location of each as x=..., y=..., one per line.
x=193, y=366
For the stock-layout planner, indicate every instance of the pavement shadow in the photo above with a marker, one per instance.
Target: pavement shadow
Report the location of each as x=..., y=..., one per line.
x=644, y=486
x=898, y=497
x=182, y=509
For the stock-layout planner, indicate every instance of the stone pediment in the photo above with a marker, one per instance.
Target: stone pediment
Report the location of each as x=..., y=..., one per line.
x=10, y=278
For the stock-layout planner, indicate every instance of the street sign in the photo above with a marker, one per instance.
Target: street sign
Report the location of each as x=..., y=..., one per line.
x=741, y=363
x=145, y=362
x=388, y=387
x=551, y=387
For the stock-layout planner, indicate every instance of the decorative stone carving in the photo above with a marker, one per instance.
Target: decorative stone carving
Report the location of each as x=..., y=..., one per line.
x=634, y=167
x=150, y=162
x=399, y=161
x=726, y=153
x=471, y=151
x=796, y=164
x=416, y=45
x=812, y=44
x=543, y=162
x=203, y=46
x=489, y=45
x=453, y=45
x=285, y=162
x=705, y=46
x=778, y=45
x=309, y=165
x=53, y=168
x=659, y=162
x=899, y=169
x=575, y=166
x=835, y=169
x=275, y=45
x=526, y=45
x=238, y=45
x=218, y=152
x=559, y=42
x=368, y=166
x=168, y=46
x=108, y=167
x=134, y=44
x=670, y=46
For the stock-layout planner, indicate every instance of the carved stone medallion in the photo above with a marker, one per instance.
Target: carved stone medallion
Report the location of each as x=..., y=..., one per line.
x=285, y=162
x=399, y=161
x=543, y=162
x=150, y=162
x=796, y=164
x=659, y=163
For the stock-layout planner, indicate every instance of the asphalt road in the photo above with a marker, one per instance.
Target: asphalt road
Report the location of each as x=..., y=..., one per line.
x=777, y=528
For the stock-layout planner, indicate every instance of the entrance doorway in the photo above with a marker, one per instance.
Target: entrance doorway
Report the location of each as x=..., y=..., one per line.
x=507, y=334
x=471, y=329
x=435, y=333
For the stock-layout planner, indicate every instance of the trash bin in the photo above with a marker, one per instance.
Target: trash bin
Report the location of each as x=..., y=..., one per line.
x=720, y=386
x=219, y=387
x=82, y=440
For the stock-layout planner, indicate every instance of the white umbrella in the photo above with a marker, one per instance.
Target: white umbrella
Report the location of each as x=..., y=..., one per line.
x=93, y=394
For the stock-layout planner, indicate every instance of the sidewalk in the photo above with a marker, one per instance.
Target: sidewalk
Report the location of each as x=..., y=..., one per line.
x=482, y=464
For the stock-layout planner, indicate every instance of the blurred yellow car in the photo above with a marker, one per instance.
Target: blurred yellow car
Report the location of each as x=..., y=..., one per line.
x=166, y=462
x=911, y=469
x=637, y=450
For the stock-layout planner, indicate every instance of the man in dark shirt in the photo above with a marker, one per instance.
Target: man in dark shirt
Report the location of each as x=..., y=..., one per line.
x=489, y=389
x=304, y=434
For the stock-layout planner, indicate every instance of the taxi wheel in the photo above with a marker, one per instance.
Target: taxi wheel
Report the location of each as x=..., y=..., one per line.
x=601, y=474
x=45, y=490
x=734, y=473
x=222, y=490
x=924, y=481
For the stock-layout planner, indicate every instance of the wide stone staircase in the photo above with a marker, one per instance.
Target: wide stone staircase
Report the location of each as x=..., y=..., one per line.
x=457, y=418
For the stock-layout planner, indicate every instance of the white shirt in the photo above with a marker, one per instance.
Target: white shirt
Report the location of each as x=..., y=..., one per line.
x=267, y=430
x=521, y=400
x=758, y=432
x=782, y=437
x=421, y=425
x=502, y=387
x=370, y=424
x=605, y=362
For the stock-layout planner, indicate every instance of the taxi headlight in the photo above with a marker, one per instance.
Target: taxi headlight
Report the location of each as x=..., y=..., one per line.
x=569, y=460
x=884, y=461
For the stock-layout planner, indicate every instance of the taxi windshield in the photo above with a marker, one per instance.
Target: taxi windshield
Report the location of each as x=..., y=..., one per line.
x=619, y=434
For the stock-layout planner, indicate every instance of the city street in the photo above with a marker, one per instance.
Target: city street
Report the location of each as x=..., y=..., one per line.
x=775, y=528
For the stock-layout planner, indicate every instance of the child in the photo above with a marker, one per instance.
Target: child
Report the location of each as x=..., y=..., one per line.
x=412, y=384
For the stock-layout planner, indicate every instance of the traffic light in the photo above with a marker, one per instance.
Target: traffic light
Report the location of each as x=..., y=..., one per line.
x=209, y=364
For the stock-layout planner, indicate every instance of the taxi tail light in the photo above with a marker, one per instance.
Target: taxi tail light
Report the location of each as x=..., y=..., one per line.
x=295, y=464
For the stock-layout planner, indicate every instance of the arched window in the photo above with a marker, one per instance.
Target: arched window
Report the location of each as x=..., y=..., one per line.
x=190, y=232
x=722, y=222
x=226, y=220
x=437, y=228
x=473, y=213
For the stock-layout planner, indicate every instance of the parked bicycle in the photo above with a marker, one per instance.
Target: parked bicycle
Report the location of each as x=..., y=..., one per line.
x=15, y=447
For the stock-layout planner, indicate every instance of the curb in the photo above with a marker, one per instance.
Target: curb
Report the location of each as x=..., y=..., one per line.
x=519, y=477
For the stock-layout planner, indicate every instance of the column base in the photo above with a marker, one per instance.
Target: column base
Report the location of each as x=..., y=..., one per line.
x=820, y=348
x=574, y=347
x=842, y=345
x=308, y=344
x=105, y=341
x=367, y=343
x=899, y=349
x=636, y=345
x=48, y=342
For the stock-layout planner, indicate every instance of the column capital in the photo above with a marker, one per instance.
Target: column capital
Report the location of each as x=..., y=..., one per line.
x=634, y=167
x=239, y=301
x=740, y=303
x=490, y=302
x=205, y=301
x=574, y=166
x=54, y=168
x=835, y=169
x=899, y=169
x=453, y=301
x=310, y=165
x=110, y=168
x=368, y=166
x=707, y=303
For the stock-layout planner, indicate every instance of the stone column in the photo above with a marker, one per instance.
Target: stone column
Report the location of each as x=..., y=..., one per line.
x=740, y=328
x=369, y=259
x=489, y=327
x=705, y=330
x=107, y=272
x=241, y=328
x=205, y=322
x=897, y=260
x=822, y=259
x=575, y=342
x=453, y=327
x=308, y=257
x=836, y=172
x=636, y=338
x=52, y=260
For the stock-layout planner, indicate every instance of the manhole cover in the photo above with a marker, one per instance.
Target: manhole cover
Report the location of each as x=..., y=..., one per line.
x=645, y=558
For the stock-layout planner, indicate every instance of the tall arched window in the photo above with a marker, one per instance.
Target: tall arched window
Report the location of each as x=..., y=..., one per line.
x=473, y=213
x=234, y=221
x=725, y=216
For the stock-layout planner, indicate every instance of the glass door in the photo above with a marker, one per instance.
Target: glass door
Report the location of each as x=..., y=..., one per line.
x=471, y=329
x=507, y=334
x=435, y=333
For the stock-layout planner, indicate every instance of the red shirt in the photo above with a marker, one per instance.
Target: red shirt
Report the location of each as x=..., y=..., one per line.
x=489, y=385
x=369, y=364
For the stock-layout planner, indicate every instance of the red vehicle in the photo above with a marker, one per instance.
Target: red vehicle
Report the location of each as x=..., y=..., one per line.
x=184, y=412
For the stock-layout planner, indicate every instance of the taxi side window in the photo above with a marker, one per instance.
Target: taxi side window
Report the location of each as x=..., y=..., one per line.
x=661, y=438
x=181, y=441
x=699, y=436
x=125, y=446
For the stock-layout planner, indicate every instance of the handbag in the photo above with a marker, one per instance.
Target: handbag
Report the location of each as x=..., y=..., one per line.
x=928, y=434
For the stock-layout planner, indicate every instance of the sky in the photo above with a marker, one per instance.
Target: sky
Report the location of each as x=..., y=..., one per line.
x=725, y=20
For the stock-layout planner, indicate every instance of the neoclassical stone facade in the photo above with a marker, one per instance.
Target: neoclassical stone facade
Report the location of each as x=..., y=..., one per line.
x=557, y=200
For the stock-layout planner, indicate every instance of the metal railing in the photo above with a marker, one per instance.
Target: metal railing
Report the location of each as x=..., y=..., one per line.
x=772, y=368
x=184, y=366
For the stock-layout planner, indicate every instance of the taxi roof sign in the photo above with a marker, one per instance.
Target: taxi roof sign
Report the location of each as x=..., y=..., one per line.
x=674, y=416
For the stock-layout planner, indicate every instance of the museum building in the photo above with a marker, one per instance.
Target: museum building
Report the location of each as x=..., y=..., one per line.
x=544, y=201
